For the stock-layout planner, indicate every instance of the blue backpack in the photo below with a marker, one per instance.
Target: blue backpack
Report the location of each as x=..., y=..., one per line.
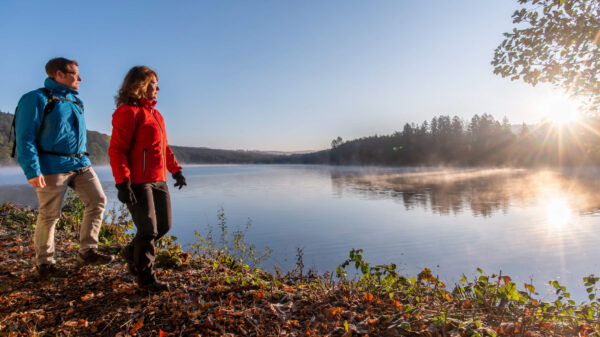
x=47, y=109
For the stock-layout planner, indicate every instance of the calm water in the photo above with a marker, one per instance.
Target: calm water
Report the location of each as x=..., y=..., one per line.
x=530, y=224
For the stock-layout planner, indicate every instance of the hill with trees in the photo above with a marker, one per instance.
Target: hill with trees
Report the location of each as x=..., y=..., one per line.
x=97, y=147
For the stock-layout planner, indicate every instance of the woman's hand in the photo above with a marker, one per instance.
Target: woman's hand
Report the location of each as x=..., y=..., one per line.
x=125, y=194
x=180, y=179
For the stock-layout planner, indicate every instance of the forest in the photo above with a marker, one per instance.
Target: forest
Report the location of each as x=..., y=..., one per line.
x=482, y=141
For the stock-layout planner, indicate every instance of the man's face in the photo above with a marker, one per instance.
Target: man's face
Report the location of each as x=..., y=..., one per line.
x=69, y=78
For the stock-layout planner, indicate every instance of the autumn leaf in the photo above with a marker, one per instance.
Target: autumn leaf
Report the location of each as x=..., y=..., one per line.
x=334, y=312
x=369, y=297
x=87, y=297
x=161, y=333
x=184, y=257
x=71, y=323
x=137, y=326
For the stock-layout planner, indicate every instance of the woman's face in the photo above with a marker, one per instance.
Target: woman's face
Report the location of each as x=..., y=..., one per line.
x=152, y=89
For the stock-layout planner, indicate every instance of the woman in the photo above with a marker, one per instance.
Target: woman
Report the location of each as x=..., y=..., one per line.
x=140, y=157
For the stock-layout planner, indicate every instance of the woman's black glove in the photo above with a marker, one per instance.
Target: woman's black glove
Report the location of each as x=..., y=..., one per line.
x=125, y=194
x=180, y=179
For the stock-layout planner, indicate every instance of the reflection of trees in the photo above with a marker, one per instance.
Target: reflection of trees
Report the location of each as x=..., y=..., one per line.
x=484, y=192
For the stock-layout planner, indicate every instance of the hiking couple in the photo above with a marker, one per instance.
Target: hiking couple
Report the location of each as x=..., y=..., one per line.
x=50, y=139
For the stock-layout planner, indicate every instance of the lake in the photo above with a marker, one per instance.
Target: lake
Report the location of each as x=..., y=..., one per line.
x=529, y=224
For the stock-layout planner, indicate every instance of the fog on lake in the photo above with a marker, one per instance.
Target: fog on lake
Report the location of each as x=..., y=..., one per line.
x=530, y=224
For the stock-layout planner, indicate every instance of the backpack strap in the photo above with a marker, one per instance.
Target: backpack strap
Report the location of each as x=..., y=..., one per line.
x=47, y=109
x=13, y=133
x=75, y=155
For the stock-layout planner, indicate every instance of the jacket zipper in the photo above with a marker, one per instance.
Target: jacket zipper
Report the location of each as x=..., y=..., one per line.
x=162, y=148
x=144, y=163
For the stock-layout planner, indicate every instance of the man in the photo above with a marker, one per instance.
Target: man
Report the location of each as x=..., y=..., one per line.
x=51, y=149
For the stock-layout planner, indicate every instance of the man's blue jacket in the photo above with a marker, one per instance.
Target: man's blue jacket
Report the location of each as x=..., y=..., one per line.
x=63, y=131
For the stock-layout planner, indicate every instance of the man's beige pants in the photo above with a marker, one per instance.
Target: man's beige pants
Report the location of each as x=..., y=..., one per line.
x=86, y=184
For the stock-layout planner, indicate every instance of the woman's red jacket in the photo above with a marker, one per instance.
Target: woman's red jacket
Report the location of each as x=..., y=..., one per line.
x=138, y=148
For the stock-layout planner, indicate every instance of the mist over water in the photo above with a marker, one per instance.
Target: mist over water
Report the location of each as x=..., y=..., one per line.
x=482, y=192
x=539, y=224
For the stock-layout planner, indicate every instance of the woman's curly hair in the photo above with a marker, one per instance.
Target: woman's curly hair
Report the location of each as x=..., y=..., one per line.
x=135, y=85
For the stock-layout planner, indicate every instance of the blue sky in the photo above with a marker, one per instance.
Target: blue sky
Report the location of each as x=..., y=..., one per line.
x=276, y=75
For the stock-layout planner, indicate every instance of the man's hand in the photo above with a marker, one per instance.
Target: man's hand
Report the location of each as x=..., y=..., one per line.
x=38, y=181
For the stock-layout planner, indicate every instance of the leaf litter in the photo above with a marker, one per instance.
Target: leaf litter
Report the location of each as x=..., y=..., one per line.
x=209, y=298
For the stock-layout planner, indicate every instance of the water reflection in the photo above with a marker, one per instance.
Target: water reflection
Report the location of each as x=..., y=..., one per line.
x=558, y=213
x=482, y=192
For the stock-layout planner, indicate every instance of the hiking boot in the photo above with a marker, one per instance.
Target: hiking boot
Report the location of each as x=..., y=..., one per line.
x=47, y=270
x=155, y=286
x=94, y=257
x=127, y=255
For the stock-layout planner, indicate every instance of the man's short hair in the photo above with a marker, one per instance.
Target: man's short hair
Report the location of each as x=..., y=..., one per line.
x=58, y=63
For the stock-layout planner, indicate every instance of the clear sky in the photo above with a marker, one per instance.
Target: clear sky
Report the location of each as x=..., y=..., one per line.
x=276, y=75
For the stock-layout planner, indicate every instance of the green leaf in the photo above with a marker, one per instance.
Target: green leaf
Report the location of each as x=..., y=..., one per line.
x=530, y=288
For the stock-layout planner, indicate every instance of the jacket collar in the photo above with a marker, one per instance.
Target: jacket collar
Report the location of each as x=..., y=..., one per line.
x=58, y=88
x=147, y=103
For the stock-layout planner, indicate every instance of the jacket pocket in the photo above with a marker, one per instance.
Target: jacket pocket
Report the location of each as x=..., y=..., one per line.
x=144, y=162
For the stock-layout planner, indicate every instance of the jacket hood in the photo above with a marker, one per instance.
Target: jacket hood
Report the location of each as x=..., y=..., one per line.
x=147, y=103
x=58, y=88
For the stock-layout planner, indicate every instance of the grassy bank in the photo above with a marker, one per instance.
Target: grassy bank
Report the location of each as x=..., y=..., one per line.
x=216, y=292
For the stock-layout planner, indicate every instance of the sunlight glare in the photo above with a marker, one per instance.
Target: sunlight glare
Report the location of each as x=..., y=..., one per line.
x=560, y=109
x=558, y=212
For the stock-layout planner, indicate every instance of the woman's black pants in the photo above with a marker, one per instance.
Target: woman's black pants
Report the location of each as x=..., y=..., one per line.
x=151, y=215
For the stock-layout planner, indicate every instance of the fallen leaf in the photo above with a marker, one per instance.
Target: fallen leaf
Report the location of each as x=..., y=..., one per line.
x=137, y=326
x=334, y=312
x=87, y=297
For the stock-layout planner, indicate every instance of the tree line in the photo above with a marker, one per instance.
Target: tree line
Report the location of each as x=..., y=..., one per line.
x=481, y=141
x=444, y=140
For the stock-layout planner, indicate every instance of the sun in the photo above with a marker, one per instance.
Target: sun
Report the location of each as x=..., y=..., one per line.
x=560, y=109
x=562, y=117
